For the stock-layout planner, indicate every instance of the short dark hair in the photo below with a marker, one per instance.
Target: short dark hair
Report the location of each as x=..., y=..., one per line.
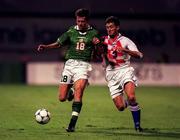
x=82, y=12
x=113, y=19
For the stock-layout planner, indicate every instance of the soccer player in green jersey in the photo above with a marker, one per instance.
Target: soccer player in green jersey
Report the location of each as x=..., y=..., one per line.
x=81, y=40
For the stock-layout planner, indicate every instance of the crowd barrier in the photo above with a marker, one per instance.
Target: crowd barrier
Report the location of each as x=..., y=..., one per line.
x=148, y=74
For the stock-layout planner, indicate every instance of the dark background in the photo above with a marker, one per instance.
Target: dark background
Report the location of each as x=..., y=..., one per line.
x=154, y=25
x=97, y=7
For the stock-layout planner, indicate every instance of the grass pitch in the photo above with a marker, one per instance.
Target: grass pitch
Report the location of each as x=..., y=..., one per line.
x=99, y=119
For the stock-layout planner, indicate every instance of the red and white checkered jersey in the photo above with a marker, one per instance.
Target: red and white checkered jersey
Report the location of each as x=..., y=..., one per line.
x=119, y=58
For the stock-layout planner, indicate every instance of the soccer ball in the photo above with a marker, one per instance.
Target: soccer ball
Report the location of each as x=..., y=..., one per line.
x=42, y=116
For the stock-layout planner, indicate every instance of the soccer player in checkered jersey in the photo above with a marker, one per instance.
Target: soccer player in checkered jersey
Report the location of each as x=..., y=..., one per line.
x=119, y=74
x=81, y=45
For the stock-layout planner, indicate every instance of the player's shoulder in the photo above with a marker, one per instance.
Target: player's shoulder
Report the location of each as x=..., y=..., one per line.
x=125, y=38
x=126, y=41
x=92, y=29
x=72, y=28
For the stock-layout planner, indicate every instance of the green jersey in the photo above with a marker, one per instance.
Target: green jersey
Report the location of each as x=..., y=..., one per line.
x=79, y=44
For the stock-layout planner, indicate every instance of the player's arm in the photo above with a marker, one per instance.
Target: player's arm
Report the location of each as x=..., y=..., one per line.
x=42, y=47
x=101, y=50
x=99, y=44
x=60, y=41
x=130, y=48
x=135, y=54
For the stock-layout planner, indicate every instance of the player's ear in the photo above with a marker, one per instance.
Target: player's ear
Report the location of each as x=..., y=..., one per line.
x=118, y=27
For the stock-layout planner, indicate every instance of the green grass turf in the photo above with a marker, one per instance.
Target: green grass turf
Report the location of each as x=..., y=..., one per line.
x=99, y=119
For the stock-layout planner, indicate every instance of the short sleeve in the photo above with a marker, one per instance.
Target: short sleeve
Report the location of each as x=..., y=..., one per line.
x=63, y=38
x=130, y=44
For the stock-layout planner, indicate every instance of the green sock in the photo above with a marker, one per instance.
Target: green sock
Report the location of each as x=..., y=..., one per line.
x=76, y=109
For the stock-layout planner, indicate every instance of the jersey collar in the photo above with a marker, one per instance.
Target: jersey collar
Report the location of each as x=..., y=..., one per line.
x=116, y=37
x=82, y=33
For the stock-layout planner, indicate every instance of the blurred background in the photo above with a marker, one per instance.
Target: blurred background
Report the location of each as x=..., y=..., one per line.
x=154, y=25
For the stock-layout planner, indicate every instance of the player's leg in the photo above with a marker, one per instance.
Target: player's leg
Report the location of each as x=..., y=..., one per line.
x=81, y=72
x=129, y=89
x=63, y=91
x=66, y=83
x=120, y=102
x=70, y=94
x=115, y=89
x=79, y=87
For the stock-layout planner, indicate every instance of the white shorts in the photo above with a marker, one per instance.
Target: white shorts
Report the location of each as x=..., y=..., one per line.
x=75, y=70
x=117, y=78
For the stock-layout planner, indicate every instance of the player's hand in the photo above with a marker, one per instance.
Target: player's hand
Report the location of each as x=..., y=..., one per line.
x=95, y=41
x=41, y=47
x=120, y=49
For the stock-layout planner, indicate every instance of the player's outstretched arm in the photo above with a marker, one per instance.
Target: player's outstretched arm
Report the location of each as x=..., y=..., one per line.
x=42, y=47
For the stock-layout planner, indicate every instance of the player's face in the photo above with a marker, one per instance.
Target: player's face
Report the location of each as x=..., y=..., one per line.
x=82, y=23
x=112, y=29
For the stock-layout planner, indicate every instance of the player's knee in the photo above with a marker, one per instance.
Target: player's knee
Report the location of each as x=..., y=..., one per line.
x=131, y=99
x=121, y=108
x=62, y=98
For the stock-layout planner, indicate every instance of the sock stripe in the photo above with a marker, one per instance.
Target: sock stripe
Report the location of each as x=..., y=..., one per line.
x=74, y=113
x=134, y=108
